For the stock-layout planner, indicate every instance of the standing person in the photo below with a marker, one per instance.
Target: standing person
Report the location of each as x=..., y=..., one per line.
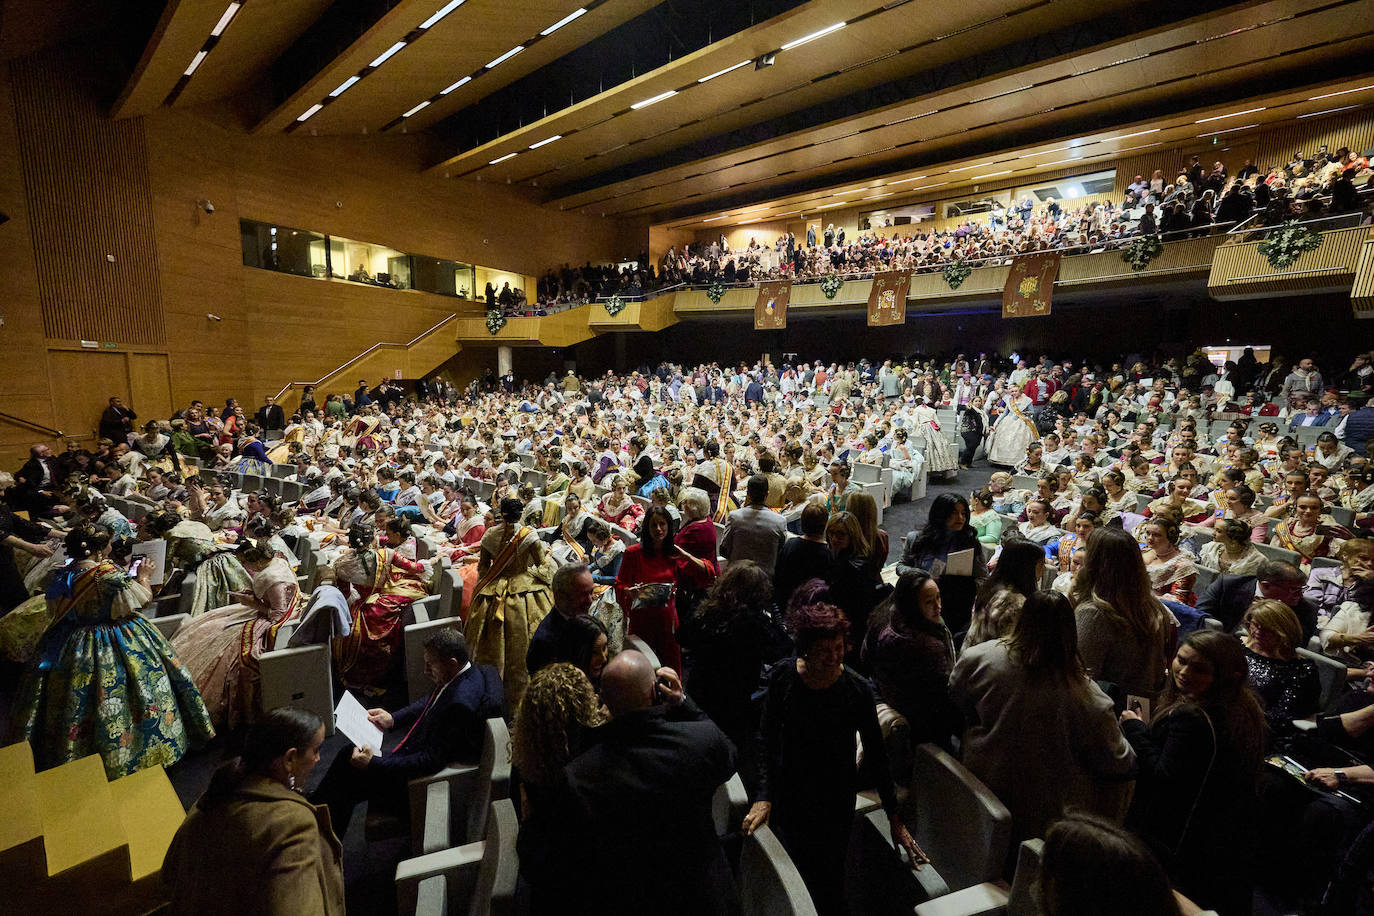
x=646, y=585
x=1199, y=760
x=911, y=653
x=973, y=428
x=512, y=598
x=946, y=531
x=103, y=680
x=117, y=422
x=252, y=843
x=573, y=592
x=1038, y=731
x=270, y=415
x=640, y=796
x=802, y=558
x=1123, y=629
x=812, y=706
x=754, y=532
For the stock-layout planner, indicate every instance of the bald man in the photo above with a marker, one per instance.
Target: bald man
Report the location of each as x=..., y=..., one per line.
x=640, y=796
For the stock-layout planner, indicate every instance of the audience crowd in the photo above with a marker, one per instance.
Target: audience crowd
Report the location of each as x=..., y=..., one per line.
x=1120, y=633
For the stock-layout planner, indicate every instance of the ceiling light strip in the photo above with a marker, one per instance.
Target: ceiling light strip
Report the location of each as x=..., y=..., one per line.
x=564, y=21
x=798, y=42
x=441, y=13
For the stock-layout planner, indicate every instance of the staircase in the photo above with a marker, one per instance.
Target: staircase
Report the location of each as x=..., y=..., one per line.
x=71, y=842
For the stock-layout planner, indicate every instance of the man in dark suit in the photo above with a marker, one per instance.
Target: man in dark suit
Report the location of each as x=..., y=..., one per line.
x=360, y=397
x=270, y=415
x=572, y=597
x=444, y=727
x=1228, y=597
x=37, y=483
x=639, y=796
x=117, y=422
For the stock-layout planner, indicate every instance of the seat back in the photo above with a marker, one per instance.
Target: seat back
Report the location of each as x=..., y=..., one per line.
x=1332, y=674
x=770, y=884
x=1205, y=575
x=1342, y=516
x=1278, y=553
x=638, y=644
x=432, y=897
x=729, y=806
x=1022, y=901
x=450, y=593
x=495, y=891
x=867, y=473
x=1325, y=563
x=299, y=677
x=1024, y=482
x=493, y=777
x=957, y=820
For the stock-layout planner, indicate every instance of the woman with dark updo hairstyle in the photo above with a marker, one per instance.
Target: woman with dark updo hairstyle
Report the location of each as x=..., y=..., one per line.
x=252, y=843
x=103, y=679
x=513, y=593
x=380, y=583
x=221, y=648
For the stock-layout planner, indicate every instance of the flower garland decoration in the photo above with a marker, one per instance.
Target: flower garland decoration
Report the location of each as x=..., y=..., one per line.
x=715, y=292
x=615, y=305
x=831, y=286
x=956, y=272
x=1142, y=251
x=495, y=321
x=1286, y=244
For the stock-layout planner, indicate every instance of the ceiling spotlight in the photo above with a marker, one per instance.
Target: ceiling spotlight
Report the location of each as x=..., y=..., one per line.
x=764, y=60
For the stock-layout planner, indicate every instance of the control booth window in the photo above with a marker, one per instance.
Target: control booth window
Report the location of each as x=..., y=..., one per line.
x=283, y=249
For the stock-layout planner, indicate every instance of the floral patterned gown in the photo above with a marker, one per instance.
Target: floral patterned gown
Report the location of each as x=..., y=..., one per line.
x=105, y=681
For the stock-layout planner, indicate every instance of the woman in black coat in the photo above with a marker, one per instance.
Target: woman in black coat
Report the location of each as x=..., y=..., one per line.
x=947, y=531
x=1199, y=762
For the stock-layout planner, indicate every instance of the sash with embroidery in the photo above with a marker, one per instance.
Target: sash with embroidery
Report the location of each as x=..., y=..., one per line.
x=69, y=588
x=503, y=559
x=727, y=486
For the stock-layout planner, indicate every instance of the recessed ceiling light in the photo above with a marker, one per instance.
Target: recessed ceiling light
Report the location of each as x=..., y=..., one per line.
x=223, y=23
x=1228, y=130
x=1044, y=152
x=743, y=63
x=1139, y=133
x=507, y=56
x=564, y=21
x=502, y=158
x=990, y=175
x=1313, y=114
x=1329, y=95
x=442, y=12
x=386, y=55
x=876, y=196
x=461, y=82
x=343, y=87
x=546, y=142
x=658, y=98
x=813, y=36
x=1234, y=114
x=965, y=168
x=422, y=105
x=838, y=204
x=714, y=218
x=905, y=180
x=195, y=62
x=309, y=112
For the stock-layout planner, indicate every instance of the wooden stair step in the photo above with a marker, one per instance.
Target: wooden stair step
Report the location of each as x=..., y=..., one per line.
x=80, y=824
x=21, y=827
x=151, y=813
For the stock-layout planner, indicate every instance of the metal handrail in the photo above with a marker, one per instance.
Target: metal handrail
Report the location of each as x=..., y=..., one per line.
x=423, y=334
x=1292, y=273
x=56, y=433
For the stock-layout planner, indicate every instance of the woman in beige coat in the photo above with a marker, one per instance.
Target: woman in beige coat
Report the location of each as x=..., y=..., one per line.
x=251, y=843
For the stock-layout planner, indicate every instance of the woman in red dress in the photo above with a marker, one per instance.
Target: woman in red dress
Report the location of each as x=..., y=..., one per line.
x=646, y=586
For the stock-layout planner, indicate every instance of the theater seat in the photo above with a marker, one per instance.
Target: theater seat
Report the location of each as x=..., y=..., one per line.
x=469, y=789
x=634, y=642
x=479, y=877
x=769, y=883
x=1332, y=674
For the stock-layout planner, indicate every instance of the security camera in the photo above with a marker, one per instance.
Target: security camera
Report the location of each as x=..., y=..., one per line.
x=206, y=206
x=213, y=317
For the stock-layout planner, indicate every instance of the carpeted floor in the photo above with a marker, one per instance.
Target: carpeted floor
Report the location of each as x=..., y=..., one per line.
x=901, y=519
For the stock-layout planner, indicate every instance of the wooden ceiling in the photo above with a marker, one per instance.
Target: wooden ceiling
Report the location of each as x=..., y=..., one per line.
x=830, y=122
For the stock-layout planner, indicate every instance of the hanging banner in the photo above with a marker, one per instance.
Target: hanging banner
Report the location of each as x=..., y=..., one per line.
x=770, y=308
x=1030, y=285
x=887, y=298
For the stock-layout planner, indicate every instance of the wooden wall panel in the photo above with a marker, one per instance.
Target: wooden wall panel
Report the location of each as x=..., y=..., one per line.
x=150, y=385
x=83, y=383
x=89, y=207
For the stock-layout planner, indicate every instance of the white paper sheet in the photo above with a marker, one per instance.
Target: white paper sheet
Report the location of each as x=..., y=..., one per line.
x=156, y=553
x=959, y=563
x=351, y=718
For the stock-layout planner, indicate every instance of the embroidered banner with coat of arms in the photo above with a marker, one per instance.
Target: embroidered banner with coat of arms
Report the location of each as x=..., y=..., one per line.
x=1030, y=285
x=770, y=308
x=887, y=298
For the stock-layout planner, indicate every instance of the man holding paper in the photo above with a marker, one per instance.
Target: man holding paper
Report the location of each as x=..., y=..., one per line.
x=442, y=728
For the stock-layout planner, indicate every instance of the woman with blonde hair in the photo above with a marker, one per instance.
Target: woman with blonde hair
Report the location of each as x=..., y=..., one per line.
x=1287, y=684
x=864, y=508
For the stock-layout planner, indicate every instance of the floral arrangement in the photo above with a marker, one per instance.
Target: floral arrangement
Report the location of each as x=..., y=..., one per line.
x=831, y=286
x=1142, y=251
x=715, y=292
x=615, y=305
x=1286, y=244
x=495, y=321
x=956, y=272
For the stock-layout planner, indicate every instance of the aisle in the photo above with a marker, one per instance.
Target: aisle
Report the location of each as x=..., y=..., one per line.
x=902, y=518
